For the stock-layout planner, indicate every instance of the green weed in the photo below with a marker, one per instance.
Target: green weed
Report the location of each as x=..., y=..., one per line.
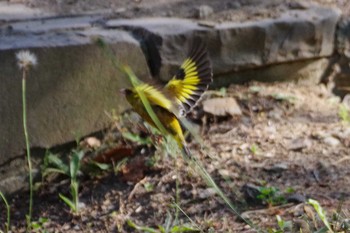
x=54, y=164
x=168, y=227
x=271, y=195
x=74, y=167
x=26, y=60
x=7, y=224
x=39, y=226
x=283, y=225
x=344, y=113
x=322, y=214
x=254, y=149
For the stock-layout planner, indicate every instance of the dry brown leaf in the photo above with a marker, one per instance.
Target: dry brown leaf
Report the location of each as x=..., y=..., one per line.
x=114, y=155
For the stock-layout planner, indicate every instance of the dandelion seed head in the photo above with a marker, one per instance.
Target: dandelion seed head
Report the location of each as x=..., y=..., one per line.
x=26, y=59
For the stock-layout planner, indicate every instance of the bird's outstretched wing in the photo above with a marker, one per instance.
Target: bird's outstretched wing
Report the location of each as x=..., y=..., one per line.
x=154, y=96
x=193, y=77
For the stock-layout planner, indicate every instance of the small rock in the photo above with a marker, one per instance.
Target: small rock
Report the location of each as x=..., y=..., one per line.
x=309, y=212
x=81, y=205
x=120, y=10
x=91, y=142
x=299, y=5
x=208, y=24
x=247, y=227
x=299, y=144
x=169, y=14
x=296, y=198
x=66, y=227
x=298, y=211
x=300, y=225
x=209, y=192
x=233, y=5
x=277, y=168
x=324, y=173
x=331, y=141
x=139, y=209
x=204, y=11
x=224, y=173
x=251, y=193
x=346, y=101
x=345, y=223
x=222, y=107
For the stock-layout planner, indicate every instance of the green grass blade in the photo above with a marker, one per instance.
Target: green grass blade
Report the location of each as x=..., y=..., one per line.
x=211, y=183
x=68, y=202
x=74, y=164
x=7, y=211
x=321, y=213
x=134, y=81
x=55, y=161
x=50, y=170
x=188, y=217
x=140, y=228
x=180, y=229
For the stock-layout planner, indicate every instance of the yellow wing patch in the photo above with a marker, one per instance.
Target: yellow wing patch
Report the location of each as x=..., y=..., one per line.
x=154, y=96
x=185, y=84
x=193, y=77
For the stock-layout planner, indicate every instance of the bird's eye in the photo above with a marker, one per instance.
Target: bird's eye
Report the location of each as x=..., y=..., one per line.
x=182, y=112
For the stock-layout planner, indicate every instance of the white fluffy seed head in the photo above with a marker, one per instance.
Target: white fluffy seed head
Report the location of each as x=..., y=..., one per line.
x=26, y=59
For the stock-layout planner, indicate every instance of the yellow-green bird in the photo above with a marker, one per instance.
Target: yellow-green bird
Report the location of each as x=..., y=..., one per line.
x=178, y=96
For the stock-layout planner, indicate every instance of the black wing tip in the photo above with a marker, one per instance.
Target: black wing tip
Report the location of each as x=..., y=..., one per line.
x=198, y=52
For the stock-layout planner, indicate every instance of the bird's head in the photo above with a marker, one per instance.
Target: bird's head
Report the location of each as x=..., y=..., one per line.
x=126, y=92
x=128, y=95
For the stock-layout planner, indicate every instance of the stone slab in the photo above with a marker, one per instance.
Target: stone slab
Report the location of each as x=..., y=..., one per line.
x=295, y=35
x=46, y=25
x=307, y=72
x=340, y=71
x=68, y=93
x=17, y=11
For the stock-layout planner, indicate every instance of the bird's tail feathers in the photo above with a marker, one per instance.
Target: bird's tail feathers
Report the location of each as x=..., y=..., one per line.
x=185, y=151
x=183, y=147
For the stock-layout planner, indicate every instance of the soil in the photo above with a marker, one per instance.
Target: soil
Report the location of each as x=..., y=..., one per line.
x=289, y=139
x=223, y=10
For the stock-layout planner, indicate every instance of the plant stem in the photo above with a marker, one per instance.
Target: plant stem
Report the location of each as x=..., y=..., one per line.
x=177, y=191
x=27, y=148
x=8, y=211
x=74, y=184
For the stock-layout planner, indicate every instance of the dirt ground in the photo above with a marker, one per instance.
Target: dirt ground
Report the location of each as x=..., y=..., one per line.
x=221, y=10
x=288, y=137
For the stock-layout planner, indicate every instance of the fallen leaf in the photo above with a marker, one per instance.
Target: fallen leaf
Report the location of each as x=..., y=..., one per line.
x=114, y=155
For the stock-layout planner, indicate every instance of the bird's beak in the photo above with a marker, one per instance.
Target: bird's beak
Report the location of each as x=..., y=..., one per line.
x=122, y=91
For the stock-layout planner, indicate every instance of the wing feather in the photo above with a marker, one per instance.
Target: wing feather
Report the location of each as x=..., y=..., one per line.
x=193, y=77
x=154, y=96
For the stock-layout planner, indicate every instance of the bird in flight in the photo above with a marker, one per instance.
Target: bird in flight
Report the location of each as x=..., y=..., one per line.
x=178, y=96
